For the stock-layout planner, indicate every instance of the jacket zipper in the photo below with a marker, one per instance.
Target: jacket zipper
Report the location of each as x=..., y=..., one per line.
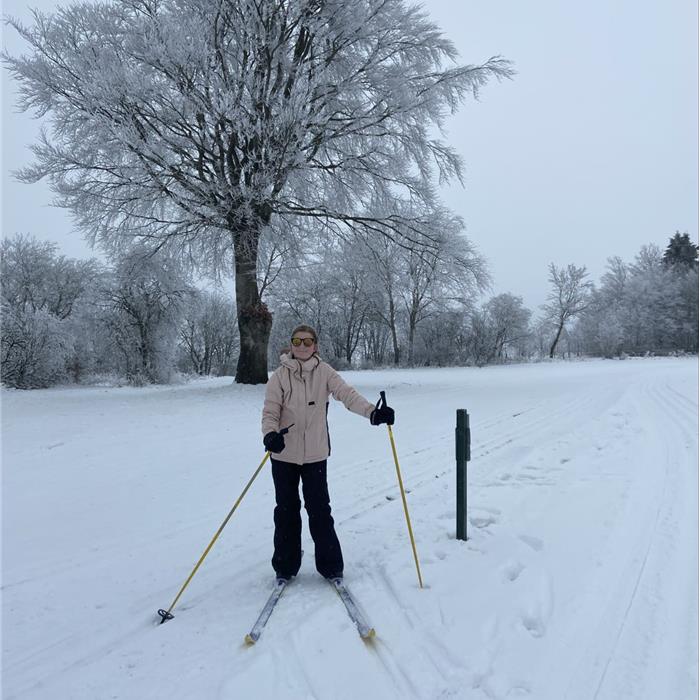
x=306, y=420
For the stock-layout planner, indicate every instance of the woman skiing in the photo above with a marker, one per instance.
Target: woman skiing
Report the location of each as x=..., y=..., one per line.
x=297, y=396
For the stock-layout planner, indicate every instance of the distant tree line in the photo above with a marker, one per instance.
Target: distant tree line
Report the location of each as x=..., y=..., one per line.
x=141, y=319
x=647, y=306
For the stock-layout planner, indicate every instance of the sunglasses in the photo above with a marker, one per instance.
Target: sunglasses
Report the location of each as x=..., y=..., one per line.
x=308, y=342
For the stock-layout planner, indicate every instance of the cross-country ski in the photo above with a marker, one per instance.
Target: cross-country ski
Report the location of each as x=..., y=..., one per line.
x=365, y=630
x=363, y=627
x=257, y=628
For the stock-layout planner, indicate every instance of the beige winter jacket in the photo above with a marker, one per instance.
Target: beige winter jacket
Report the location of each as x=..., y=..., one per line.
x=297, y=392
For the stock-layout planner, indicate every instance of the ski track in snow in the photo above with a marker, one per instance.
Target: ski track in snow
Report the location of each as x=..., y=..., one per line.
x=578, y=581
x=636, y=614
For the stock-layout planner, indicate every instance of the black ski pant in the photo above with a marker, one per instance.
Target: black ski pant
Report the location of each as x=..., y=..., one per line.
x=286, y=559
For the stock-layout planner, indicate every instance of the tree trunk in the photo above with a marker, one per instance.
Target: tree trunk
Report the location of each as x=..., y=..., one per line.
x=392, y=326
x=556, y=340
x=348, y=341
x=412, y=323
x=411, y=336
x=254, y=318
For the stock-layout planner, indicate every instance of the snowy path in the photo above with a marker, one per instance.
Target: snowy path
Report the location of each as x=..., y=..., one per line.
x=579, y=579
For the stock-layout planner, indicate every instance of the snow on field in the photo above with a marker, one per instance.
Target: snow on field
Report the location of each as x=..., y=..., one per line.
x=579, y=579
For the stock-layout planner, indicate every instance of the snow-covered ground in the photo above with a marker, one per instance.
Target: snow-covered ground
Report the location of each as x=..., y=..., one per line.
x=579, y=579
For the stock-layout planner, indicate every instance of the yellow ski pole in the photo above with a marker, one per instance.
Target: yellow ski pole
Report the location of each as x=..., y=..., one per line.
x=167, y=614
x=403, y=495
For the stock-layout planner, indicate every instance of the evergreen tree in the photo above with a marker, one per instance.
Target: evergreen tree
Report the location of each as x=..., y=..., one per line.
x=681, y=252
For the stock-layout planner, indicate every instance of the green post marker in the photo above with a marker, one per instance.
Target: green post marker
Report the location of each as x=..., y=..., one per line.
x=463, y=454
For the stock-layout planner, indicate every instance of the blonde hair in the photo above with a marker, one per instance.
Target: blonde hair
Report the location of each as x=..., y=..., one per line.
x=306, y=329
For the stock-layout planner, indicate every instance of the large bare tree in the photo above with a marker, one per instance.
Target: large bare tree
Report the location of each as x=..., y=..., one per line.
x=509, y=321
x=570, y=294
x=447, y=273
x=197, y=124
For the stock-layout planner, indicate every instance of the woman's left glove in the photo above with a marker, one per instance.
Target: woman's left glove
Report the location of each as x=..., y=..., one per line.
x=382, y=414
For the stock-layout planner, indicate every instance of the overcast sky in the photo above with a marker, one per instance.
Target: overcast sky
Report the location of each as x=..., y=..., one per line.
x=591, y=151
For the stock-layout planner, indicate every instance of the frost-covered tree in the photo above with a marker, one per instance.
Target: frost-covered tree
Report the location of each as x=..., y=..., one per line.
x=681, y=258
x=350, y=289
x=303, y=293
x=143, y=307
x=25, y=265
x=92, y=349
x=442, y=339
x=197, y=125
x=568, y=297
x=687, y=326
x=35, y=277
x=509, y=320
x=543, y=332
x=34, y=347
x=652, y=304
x=208, y=334
x=500, y=323
x=384, y=269
x=614, y=281
x=481, y=337
x=43, y=296
x=375, y=339
x=600, y=328
x=649, y=305
x=448, y=273
x=327, y=285
x=351, y=295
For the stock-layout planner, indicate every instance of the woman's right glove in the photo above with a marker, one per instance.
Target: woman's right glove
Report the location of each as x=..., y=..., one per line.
x=274, y=442
x=382, y=414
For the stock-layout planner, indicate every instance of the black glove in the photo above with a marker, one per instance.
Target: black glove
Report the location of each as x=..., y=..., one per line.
x=382, y=414
x=274, y=442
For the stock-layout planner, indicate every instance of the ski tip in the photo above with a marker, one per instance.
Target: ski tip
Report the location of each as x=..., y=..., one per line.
x=249, y=640
x=369, y=635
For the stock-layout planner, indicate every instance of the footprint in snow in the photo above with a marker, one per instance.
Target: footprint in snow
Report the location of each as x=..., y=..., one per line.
x=393, y=496
x=536, y=615
x=512, y=570
x=482, y=521
x=447, y=515
x=533, y=542
x=534, y=624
